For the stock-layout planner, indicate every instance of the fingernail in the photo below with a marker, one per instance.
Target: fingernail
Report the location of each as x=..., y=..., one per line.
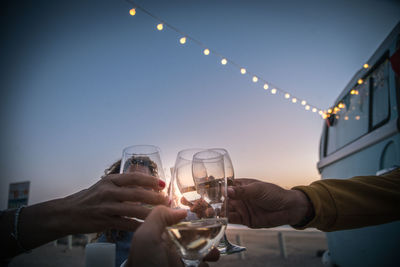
x=231, y=192
x=161, y=183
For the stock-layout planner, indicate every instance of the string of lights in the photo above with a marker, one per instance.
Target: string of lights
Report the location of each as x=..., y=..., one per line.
x=267, y=86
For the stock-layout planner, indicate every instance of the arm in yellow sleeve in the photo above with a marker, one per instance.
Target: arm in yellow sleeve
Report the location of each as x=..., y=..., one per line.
x=353, y=203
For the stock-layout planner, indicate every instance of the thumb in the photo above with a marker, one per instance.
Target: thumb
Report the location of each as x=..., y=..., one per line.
x=161, y=217
x=241, y=191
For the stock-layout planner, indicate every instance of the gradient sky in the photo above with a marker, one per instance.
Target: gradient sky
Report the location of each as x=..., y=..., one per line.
x=81, y=80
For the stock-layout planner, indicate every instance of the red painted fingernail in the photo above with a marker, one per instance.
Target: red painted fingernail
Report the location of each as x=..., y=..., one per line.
x=161, y=183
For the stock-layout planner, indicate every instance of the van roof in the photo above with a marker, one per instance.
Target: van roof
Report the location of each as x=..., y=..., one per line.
x=385, y=45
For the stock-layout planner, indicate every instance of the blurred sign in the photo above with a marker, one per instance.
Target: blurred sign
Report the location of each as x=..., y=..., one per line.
x=18, y=194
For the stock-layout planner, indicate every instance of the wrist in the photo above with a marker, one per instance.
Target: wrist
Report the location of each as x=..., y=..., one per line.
x=301, y=209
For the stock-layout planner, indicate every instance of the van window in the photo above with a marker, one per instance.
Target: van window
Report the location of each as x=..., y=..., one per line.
x=380, y=95
x=351, y=121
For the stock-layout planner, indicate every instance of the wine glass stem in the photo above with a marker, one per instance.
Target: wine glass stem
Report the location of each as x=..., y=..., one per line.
x=191, y=263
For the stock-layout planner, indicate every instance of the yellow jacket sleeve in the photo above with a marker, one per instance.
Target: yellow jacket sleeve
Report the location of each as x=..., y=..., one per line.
x=360, y=201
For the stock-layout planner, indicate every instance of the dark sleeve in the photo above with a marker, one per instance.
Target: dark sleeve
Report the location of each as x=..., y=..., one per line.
x=353, y=203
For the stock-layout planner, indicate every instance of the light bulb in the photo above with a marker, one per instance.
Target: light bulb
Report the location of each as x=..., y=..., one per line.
x=314, y=110
x=273, y=91
x=307, y=107
x=287, y=95
x=243, y=71
x=320, y=112
x=206, y=52
x=341, y=105
x=294, y=100
x=160, y=27
x=346, y=118
x=365, y=66
x=330, y=110
x=255, y=79
x=266, y=86
x=303, y=102
x=182, y=40
x=360, y=81
x=132, y=12
x=357, y=117
x=224, y=61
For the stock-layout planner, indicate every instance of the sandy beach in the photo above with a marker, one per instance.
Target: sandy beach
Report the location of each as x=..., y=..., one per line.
x=262, y=250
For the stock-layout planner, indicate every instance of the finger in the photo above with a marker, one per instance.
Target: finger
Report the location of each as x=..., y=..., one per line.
x=136, y=178
x=235, y=217
x=213, y=255
x=186, y=202
x=130, y=210
x=125, y=224
x=244, y=181
x=159, y=218
x=138, y=194
x=243, y=191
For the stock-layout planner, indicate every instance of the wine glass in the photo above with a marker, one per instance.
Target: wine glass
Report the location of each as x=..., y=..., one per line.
x=206, y=220
x=224, y=246
x=145, y=159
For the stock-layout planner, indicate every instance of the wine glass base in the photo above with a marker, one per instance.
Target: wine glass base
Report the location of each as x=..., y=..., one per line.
x=231, y=249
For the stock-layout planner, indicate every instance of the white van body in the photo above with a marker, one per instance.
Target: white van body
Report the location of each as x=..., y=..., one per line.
x=363, y=138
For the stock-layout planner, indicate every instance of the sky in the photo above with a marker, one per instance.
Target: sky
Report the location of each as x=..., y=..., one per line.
x=81, y=80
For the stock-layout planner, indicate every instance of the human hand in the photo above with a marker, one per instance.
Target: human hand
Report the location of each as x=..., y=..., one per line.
x=200, y=207
x=150, y=245
x=110, y=202
x=259, y=204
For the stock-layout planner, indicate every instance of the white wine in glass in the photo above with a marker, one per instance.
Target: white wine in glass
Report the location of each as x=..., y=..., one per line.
x=225, y=247
x=203, y=226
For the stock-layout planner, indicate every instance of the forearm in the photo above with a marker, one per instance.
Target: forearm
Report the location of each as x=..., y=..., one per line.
x=36, y=225
x=352, y=203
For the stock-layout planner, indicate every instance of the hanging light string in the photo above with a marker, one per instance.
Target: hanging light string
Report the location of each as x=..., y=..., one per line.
x=225, y=60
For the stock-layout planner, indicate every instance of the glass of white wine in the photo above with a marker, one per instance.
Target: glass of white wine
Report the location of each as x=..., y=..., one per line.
x=204, y=201
x=225, y=247
x=145, y=159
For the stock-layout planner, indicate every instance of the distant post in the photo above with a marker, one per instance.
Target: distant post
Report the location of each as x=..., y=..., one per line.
x=18, y=194
x=282, y=245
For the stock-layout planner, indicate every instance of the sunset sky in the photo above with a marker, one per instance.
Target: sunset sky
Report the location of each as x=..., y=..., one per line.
x=81, y=80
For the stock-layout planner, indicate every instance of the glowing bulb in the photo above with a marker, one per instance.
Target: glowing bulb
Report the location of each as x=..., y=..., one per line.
x=320, y=112
x=243, y=71
x=337, y=117
x=303, y=102
x=224, y=61
x=324, y=116
x=182, y=40
x=314, y=110
x=255, y=79
x=287, y=95
x=346, y=118
x=360, y=81
x=307, y=107
x=132, y=12
x=341, y=105
x=357, y=117
x=273, y=91
x=160, y=27
x=294, y=100
x=330, y=110
x=266, y=86
x=206, y=52
x=336, y=109
x=365, y=66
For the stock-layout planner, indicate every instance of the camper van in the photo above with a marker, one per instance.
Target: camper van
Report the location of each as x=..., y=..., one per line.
x=361, y=137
